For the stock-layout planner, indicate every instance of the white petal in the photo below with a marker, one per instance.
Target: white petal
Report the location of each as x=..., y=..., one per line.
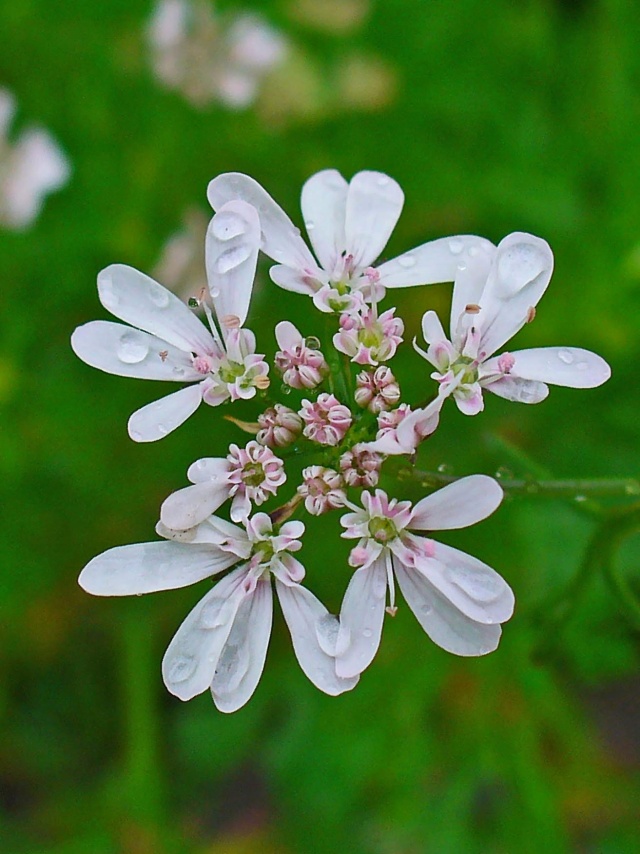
x=470, y=278
x=324, y=203
x=567, y=366
x=190, y=662
x=374, y=203
x=137, y=299
x=156, y=420
x=148, y=567
x=231, y=249
x=209, y=469
x=304, y=615
x=470, y=585
x=419, y=424
x=187, y=507
x=442, y=621
x=518, y=390
x=280, y=238
x=432, y=329
x=287, y=335
x=361, y=618
x=430, y=263
x=457, y=505
x=128, y=352
x=519, y=275
x=242, y=661
x=296, y=280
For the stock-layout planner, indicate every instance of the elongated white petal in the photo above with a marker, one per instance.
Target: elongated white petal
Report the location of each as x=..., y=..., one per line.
x=280, y=238
x=209, y=469
x=473, y=587
x=519, y=275
x=298, y=281
x=137, y=299
x=457, y=505
x=443, y=622
x=431, y=262
x=324, y=203
x=149, y=567
x=305, y=616
x=242, y=661
x=231, y=251
x=361, y=618
x=471, y=275
x=432, y=329
x=187, y=507
x=128, y=352
x=156, y=420
x=567, y=366
x=518, y=390
x=190, y=662
x=374, y=203
x=287, y=335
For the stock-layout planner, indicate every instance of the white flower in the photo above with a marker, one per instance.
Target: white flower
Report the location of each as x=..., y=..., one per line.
x=348, y=225
x=222, y=644
x=30, y=169
x=170, y=342
x=458, y=600
x=494, y=295
x=248, y=475
x=211, y=57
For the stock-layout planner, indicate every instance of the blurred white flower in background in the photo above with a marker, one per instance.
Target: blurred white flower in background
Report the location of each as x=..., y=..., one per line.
x=30, y=168
x=181, y=262
x=211, y=57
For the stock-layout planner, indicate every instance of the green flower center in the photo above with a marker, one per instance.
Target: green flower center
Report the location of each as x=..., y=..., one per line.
x=230, y=371
x=382, y=529
x=253, y=474
x=462, y=365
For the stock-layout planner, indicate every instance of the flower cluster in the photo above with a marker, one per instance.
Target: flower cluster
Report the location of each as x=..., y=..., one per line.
x=332, y=401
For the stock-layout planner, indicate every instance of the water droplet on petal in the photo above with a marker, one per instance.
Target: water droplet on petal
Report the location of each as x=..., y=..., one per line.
x=214, y=614
x=136, y=435
x=108, y=297
x=456, y=247
x=310, y=225
x=201, y=464
x=215, y=293
x=383, y=180
x=232, y=258
x=407, y=261
x=158, y=295
x=481, y=586
x=226, y=225
x=181, y=669
x=163, y=430
x=179, y=371
x=312, y=342
x=426, y=609
x=582, y=366
x=473, y=251
x=379, y=587
x=327, y=628
x=132, y=347
x=367, y=633
x=565, y=356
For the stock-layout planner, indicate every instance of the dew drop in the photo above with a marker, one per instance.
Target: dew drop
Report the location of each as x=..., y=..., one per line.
x=462, y=267
x=179, y=371
x=181, y=669
x=367, y=633
x=565, y=356
x=310, y=225
x=286, y=389
x=383, y=180
x=232, y=258
x=212, y=614
x=445, y=468
x=227, y=225
x=327, y=628
x=426, y=609
x=479, y=586
x=473, y=251
x=580, y=499
x=407, y=261
x=132, y=347
x=163, y=430
x=136, y=435
x=456, y=247
x=312, y=342
x=582, y=366
x=215, y=293
x=201, y=464
x=108, y=297
x=158, y=295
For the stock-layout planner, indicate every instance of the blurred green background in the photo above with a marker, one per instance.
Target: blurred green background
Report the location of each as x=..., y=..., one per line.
x=494, y=117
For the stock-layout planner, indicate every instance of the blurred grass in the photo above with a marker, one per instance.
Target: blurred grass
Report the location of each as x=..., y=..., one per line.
x=506, y=117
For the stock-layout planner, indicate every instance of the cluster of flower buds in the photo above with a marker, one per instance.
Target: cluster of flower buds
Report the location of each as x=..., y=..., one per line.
x=343, y=414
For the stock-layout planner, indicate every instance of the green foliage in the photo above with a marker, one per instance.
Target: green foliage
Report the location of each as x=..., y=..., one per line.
x=502, y=117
